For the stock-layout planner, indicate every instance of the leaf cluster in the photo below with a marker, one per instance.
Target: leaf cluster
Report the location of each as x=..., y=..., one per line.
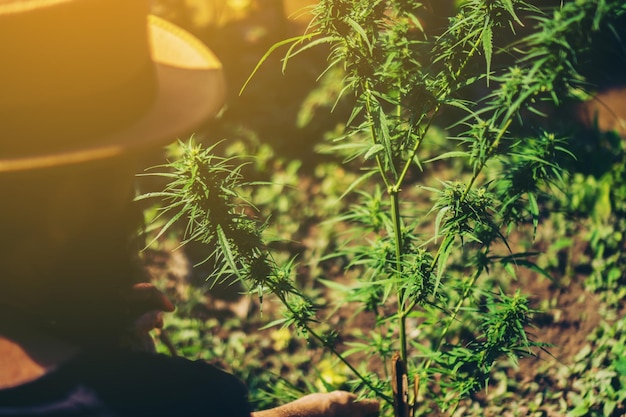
x=202, y=194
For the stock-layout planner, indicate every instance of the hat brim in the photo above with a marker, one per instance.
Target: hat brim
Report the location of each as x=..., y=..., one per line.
x=191, y=88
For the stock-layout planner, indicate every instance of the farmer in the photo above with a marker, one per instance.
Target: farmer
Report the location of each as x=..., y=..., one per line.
x=86, y=86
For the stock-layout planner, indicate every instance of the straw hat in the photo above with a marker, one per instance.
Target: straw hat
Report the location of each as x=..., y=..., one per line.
x=86, y=80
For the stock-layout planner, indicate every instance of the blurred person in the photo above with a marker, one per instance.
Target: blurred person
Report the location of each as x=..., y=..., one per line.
x=88, y=86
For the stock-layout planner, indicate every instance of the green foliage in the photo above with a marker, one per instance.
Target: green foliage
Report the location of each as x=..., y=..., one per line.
x=434, y=279
x=600, y=197
x=202, y=192
x=600, y=389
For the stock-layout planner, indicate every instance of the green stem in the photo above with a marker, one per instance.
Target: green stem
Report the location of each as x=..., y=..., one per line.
x=397, y=228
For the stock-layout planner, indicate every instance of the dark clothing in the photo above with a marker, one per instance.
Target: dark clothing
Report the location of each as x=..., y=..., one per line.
x=121, y=383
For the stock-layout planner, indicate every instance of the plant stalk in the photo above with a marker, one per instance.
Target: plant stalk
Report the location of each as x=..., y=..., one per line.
x=397, y=228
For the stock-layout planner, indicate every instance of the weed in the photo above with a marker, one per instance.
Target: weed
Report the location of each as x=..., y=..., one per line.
x=433, y=279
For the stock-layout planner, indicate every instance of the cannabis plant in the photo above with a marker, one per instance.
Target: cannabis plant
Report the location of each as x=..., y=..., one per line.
x=436, y=280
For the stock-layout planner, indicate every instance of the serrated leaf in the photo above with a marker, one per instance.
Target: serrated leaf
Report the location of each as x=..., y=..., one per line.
x=448, y=155
x=360, y=31
x=166, y=227
x=356, y=183
x=508, y=6
x=531, y=266
x=266, y=55
x=373, y=151
x=487, y=41
x=227, y=252
x=334, y=285
x=274, y=323
x=439, y=219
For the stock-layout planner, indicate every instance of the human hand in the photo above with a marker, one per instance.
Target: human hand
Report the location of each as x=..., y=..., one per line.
x=338, y=404
x=146, y=305
x=332, y=404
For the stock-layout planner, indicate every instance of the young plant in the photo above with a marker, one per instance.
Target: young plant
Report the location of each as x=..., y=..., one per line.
x=406, y=78
x=435, y=278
